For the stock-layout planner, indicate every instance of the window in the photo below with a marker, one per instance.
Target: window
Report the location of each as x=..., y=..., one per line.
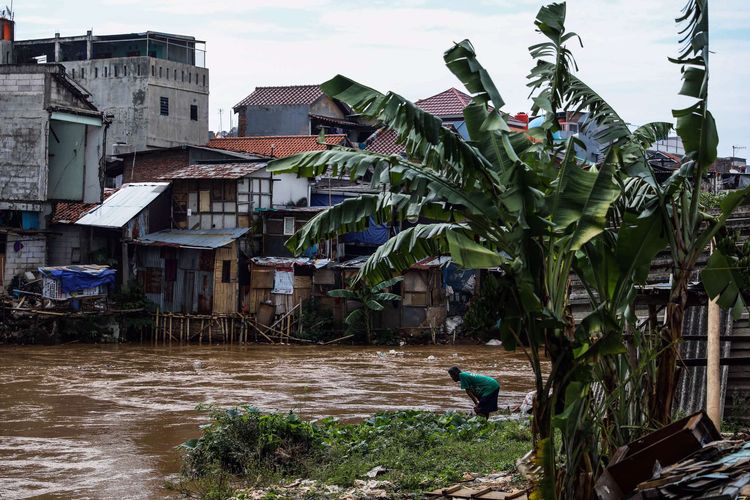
x=105, y=71
x=96, y=72
x=288, y=226
x=83, y=72
x=115, y=71
x=164, y=106
x=226, y=271
x=160, y=72
x=183, y=75
x=124, y=70
x=153, y=70
x=194, y=112
x=573, y=127
x=204, y=80
x=74, y=73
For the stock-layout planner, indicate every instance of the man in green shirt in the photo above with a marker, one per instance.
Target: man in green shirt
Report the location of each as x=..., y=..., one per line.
x=483, y=390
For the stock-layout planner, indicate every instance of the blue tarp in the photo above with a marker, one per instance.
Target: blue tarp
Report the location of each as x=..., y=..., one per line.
x=77, y=278
x=375, y=234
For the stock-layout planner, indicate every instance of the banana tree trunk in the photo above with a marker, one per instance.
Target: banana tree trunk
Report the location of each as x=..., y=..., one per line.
x=671, y=334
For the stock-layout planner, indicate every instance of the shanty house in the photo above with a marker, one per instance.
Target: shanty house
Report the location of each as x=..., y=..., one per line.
x=193, y=271
x=129, y=213
x=218, y=196
x=423, y=306
x=288, y=189
x=279, y=284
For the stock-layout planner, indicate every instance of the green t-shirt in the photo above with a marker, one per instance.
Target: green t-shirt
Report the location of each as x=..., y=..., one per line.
x=482, y=385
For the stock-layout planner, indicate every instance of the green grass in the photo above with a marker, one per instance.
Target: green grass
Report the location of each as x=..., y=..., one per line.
x=421, y=450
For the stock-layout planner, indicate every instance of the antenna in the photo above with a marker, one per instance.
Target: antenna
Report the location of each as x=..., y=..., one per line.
x=735, y=148
x=220, y=127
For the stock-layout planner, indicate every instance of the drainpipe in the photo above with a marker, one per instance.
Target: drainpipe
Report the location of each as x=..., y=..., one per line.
x=58, y=50
x=89, y=45
x=713, y=367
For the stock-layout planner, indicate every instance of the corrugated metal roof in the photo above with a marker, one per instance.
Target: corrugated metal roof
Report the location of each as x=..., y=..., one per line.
x=123, y=205
x=198, y=238
x=289, y=262
x=215, y=171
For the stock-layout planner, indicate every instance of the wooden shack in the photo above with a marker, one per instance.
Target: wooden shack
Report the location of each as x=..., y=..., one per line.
x=192, y=272
x=278, y=285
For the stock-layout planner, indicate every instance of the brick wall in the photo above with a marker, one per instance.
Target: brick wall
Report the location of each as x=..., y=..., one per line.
x=242, y=122
x=32, y=256
x=149, y=167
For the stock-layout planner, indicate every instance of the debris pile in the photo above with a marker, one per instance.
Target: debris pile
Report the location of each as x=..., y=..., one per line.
x=720, y=469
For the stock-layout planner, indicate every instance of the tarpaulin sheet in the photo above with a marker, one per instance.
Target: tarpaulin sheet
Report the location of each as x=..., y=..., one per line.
x=375, y=234
x=74, y=279
x=283, y=282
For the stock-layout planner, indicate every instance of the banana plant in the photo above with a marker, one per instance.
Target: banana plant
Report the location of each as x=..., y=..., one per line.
x=371, y=300
x=524, y=204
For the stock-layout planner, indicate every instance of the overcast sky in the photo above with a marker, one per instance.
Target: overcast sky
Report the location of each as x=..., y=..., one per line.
x=398, y=46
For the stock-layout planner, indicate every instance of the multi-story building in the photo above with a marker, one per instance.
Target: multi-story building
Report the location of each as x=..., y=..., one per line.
x=154, y=85
x=51, y=149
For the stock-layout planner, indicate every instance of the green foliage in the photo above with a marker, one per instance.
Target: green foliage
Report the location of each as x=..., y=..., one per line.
x=482, y=316
x=371, y=300
x=133, y=298
x=317, y=323
x=241, y=439
x=420, y=450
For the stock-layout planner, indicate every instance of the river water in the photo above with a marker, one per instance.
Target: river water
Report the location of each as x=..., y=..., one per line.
x=88, y=421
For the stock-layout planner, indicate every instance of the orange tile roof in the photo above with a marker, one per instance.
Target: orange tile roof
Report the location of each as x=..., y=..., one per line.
x=277, y=146
x=450, y=103
x=68, y=212
x=385, y=142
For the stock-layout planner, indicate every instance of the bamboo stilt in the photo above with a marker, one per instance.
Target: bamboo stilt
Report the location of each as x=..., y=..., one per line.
x=200, y=334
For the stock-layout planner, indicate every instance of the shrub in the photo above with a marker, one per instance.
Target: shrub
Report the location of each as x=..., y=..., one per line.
x=242, y=438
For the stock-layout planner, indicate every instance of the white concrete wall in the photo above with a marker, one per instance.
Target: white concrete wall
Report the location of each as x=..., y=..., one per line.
x=289, y=189
x=32, y=256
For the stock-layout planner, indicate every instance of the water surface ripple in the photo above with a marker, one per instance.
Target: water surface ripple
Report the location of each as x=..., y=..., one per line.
x=85, y=421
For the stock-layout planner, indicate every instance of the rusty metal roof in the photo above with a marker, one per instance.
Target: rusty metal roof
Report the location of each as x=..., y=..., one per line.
x=202, y=239
x=215, y=171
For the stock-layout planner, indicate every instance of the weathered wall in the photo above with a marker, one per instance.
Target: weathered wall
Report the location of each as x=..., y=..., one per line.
x=326, y=107
x=277, y=120
x=67, y=244
x=31, y=256
x=23, y=136
x=151, y=166
x=129, y=88
x=290, y=190
x=67, y=143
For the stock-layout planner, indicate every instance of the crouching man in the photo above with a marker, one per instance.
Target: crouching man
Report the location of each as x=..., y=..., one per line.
x=482, y=390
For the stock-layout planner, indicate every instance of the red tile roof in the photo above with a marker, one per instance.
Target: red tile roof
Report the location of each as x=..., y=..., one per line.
x=68, y=212
x=448, y=104
x=215, y=171
x=383, y=142
x=287, y=95
x=278, y=146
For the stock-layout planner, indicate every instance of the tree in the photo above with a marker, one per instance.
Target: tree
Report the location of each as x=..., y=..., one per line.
x=523, y=203
x=371, y=300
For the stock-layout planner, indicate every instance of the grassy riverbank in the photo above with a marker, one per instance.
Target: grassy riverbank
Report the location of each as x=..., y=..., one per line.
x=242, y=448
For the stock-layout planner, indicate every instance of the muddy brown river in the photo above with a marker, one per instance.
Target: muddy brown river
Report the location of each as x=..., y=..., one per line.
x=86, y=421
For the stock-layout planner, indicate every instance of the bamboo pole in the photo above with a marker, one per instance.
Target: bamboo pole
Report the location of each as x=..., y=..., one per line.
x=188, y=329
x=713, y=359
x=210, y=331
x=200, y=334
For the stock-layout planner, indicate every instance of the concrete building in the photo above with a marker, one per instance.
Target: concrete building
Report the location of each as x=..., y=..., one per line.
x=154, y=85
x=51, y=149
